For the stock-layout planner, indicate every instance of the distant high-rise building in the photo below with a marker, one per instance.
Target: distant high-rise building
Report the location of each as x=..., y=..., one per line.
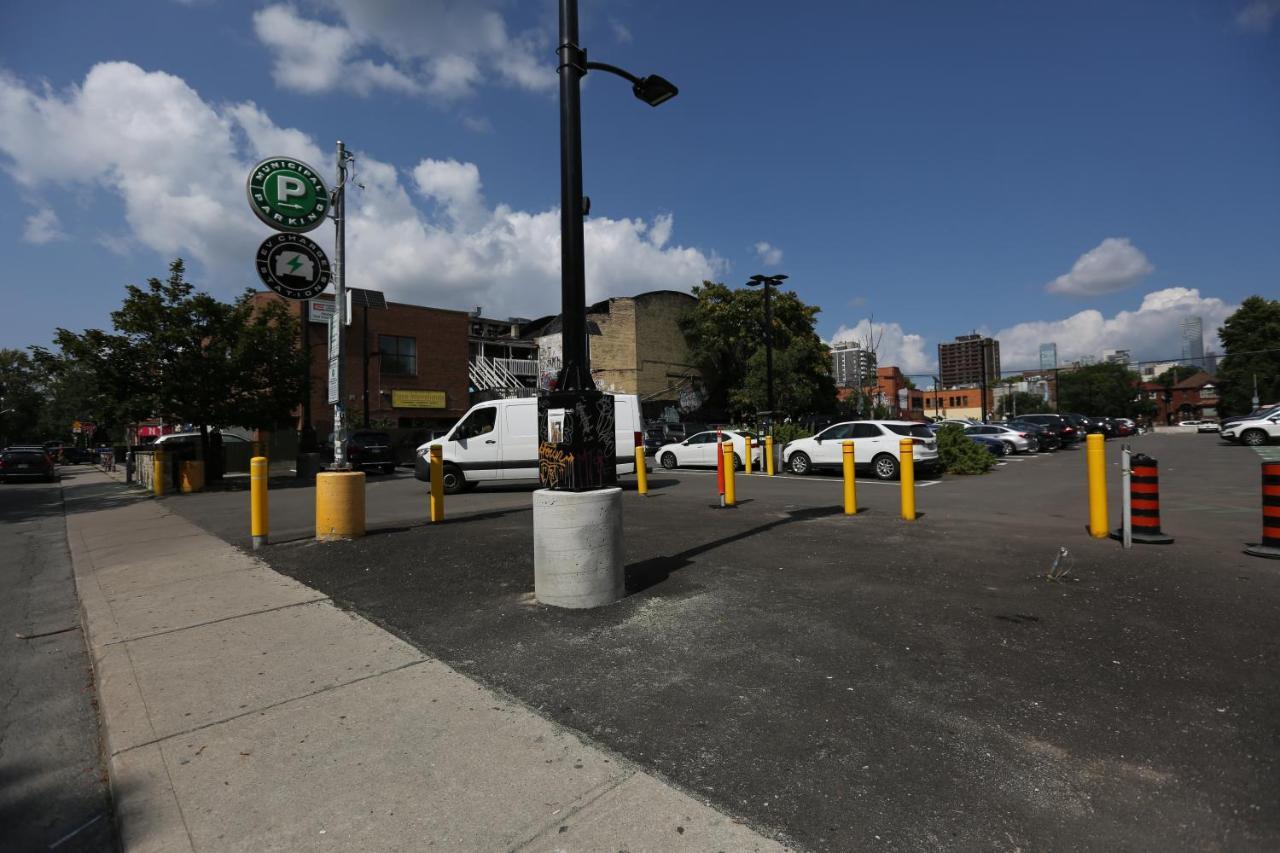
x=961, y=361
x=1193, y=341
x=852, y=366
x=1048, y=356
x=1116, y=356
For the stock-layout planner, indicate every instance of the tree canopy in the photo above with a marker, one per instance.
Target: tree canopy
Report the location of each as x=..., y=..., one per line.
x=180, y=354
x=726, y=335
x=1251, y=339
x=1100, y=390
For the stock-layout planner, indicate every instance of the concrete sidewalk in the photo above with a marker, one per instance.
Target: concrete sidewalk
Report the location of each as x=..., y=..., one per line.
x=244, y=711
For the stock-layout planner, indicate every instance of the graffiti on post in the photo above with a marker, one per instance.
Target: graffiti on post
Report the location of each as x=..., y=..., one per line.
x=576, y=440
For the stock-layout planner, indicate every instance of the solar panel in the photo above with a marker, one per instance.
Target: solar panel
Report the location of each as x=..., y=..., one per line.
x=367, y=298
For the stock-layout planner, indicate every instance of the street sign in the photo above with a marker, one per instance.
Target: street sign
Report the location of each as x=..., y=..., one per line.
x=333, y=381
x=324, y=307
x=287, y=194
x=293, y=266
x=333, y=337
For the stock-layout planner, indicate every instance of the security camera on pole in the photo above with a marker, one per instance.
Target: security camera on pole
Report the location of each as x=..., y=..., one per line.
x=291, y=197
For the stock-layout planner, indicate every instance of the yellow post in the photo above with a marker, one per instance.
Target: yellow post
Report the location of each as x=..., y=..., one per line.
x=729, y=497
x=258, y=519
x=768, y=455
x=157, y=474
x=748, y=466
x=437, y=484
x=907, y=476
x=339, y=505
x=642, y=476
x=1096, y=459
x=850, y=495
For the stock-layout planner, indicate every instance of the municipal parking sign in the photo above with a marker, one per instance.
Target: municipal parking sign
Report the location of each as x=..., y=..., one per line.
x=293, y=266
x=288, y=195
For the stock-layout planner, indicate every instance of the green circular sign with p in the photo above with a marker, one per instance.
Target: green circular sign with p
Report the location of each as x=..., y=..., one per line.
x=288, y=195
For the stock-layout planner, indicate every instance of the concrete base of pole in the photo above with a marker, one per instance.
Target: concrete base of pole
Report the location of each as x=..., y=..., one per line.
x=1263, y=551
x=577, y=548
x=339, y=505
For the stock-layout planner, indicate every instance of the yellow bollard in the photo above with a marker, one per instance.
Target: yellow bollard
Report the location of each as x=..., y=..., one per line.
x=339, y=505
x=157, y=474
x=1096, y=460
x=907, y=476
x=768, y=455
x=642, y=476
x=258, y=518
x=437, y=484
x=729, y=497
x=850, y=495
x=748, y=467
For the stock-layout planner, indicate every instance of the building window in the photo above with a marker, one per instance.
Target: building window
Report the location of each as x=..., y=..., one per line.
x=399, y=355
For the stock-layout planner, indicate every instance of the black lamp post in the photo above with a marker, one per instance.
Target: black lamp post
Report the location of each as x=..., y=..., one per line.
x=576, y=434
x=767, y=281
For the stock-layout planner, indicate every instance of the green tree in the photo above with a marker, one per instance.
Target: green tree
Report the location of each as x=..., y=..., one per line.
x=1251, y=338
x=182, y=355
x=726, y=333
x=960, y=454
x=22, y=398
x=1100, y=390
x=1176, y=374
x=1022, y=402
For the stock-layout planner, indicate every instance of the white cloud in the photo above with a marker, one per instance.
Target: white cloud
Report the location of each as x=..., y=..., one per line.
x=444, y=48
x=621, y=32
x=178, y=165
x=1257, y=16
x=42, y=227
x=894, y=347
x=1152, y=332
x=477, y=124
x=1112, y=265
x=769, y=255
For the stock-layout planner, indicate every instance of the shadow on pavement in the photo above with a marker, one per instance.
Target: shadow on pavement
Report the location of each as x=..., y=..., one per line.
x=647, y=573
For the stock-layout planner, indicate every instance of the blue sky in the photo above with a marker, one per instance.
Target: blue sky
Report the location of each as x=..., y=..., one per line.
x=1085, y=172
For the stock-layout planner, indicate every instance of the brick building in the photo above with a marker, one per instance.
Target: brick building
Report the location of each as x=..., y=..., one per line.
x=961, y=362
x=406, y=365
x=1194, y=398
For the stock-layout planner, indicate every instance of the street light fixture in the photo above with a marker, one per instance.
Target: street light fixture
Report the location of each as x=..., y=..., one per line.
x=767, y=281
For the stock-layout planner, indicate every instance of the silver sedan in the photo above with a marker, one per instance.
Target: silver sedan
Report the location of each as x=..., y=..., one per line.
x=1014, y=440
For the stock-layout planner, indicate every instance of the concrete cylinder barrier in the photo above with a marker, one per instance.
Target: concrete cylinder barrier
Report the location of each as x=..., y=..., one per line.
x=437, y=484
x=1270, y=544
x=339, y=505
x=577, y=548
x=907, y=477
x=768, y=455
x=730, y=495
x=850, y=493
x=158, y=473
x=259, y=520
x=191, y=476
x=1144, y=500
x=1096, y=466
x=642, y=475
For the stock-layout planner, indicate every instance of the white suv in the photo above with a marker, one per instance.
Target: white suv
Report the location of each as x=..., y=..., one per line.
x=875, y=447
x=1254, y=433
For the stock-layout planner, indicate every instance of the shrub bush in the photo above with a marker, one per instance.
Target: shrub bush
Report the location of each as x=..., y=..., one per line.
x=782, y=433
x=960, y=454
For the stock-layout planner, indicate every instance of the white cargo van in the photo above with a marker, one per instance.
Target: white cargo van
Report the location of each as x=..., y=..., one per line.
x=498, y=440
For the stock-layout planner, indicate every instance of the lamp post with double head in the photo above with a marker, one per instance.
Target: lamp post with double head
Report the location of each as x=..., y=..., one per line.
x=767, y=281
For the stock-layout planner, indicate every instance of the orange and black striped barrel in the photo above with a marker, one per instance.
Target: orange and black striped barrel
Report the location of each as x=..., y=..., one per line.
x=1270, y=544
x=1144, y=500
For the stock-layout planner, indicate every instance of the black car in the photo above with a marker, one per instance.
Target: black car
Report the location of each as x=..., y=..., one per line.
x=1067, y=432
x=78, y=456
x=371, y=449
x=31, y=463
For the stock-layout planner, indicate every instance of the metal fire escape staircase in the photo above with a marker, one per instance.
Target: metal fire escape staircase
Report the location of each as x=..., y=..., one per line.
x=489, y=375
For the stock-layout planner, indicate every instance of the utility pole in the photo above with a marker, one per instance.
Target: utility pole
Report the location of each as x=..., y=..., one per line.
x=340, y=310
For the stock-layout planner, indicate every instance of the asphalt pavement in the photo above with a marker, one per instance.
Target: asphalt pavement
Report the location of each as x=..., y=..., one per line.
x=846, y=683
x=53, y=791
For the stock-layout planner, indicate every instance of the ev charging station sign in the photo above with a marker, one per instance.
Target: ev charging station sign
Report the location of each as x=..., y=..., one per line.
x=288, y=195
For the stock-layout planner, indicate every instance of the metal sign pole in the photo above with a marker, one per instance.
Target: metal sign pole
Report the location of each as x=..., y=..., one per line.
x=1126, y=509
x=340, y=310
